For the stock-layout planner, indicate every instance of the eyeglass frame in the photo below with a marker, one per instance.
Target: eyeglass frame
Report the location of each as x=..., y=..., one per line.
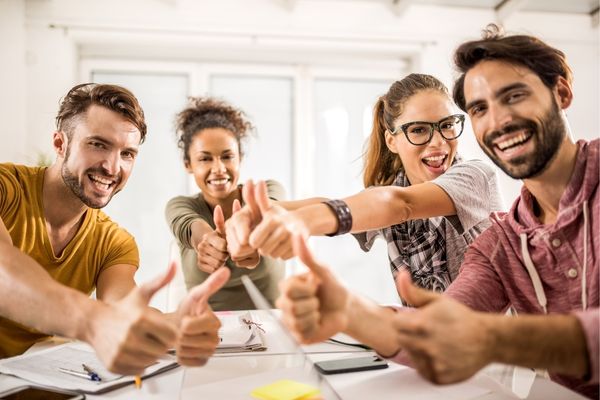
x=435, y=126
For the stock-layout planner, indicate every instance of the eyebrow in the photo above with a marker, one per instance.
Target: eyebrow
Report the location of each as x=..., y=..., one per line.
x=109, y=143
x=498, y=93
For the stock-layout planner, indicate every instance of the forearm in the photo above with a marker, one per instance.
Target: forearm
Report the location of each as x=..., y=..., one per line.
x=371, y=324
x=371, y=209
x=38, y=301
x=292, y=205
x=199, y=228
x=556, y=343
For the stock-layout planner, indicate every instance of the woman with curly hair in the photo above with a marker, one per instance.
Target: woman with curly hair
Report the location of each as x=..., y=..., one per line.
x=210, y=134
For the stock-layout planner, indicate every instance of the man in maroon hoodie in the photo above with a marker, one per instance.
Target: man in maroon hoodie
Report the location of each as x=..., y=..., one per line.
x=541, y=257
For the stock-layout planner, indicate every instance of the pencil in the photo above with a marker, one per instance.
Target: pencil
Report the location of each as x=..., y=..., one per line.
x=138, y=382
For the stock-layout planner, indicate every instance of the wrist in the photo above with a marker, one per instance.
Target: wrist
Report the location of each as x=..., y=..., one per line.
x=89, y=316
x=342, y=213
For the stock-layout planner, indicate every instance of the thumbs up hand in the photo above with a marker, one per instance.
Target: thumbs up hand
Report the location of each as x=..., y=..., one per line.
x=238, y=230
x=211, y=250
x=128, y=335
x=315, y=305
x=273, y=235
x=198, y=324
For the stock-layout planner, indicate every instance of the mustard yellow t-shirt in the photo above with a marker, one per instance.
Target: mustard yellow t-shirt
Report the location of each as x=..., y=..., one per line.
x=98, y=244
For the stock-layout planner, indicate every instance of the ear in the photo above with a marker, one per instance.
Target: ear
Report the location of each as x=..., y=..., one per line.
x=188, y=166
x=563, y=93
x=60, y=143
x=390, y=141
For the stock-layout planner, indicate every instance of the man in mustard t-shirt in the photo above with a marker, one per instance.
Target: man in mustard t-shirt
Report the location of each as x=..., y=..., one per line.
x=56, y=246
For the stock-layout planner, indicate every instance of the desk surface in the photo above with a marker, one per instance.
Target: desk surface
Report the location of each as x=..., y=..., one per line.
x=233, y=376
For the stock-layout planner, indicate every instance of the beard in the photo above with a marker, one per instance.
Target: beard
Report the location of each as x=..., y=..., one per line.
x=548, y=136
x=76, y=186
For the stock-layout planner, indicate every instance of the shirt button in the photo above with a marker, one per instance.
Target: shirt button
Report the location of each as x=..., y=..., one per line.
x=556, y=242
x=572, y=273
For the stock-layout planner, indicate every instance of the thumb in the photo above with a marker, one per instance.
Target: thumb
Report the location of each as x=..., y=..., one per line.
x=219, y=220
x=236, y=206
x=413, y=295
x=261, y=197
x=148, y=289
x=197, y=299
x=307, y=257
x=250, y=200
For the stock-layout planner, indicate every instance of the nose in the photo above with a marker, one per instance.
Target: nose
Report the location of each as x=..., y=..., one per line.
x=437, y=139
x=217, y=165
x=112, y=164
x=498, y=117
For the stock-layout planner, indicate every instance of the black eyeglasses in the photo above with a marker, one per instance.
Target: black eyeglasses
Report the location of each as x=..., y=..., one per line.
x=421, y=132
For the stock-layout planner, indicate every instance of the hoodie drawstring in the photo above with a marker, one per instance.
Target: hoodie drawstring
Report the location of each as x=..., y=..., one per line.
x=535, y=277
x=533, y=274
x=586, y=228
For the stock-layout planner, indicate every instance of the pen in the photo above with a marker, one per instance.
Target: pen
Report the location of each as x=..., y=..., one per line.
x=93, y=374
x=80, y=374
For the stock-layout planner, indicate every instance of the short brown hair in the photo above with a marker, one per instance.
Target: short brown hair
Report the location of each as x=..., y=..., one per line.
x=113, y=97
x=207, y=112
x=381, y=165
x=545, y=61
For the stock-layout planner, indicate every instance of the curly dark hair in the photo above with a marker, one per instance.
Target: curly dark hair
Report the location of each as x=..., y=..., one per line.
x=207, y=112
x=545, y=61
x=113, y=97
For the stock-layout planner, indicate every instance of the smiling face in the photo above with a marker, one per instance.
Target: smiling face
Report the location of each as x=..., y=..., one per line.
x=425, y=162
x=515, y=117
x=99, y=155
x=215, y=163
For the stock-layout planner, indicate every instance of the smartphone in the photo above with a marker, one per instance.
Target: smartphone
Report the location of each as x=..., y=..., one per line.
x=37, y=393
x=351, y=365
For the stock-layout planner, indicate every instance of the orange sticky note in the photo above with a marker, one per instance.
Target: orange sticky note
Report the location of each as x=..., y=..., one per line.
x=285, y=389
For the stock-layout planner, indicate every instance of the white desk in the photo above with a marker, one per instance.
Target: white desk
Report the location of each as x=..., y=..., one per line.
x=233, y=376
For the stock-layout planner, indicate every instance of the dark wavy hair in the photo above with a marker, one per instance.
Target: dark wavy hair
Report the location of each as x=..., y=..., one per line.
x=545, y=61
x=207, y=112
x=115, y=98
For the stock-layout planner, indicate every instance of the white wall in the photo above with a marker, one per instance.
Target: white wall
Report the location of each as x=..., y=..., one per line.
x=44, y=43
x=334, y=32
x=13, y=81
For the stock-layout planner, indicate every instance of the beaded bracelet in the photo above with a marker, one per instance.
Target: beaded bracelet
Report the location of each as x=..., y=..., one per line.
x=343, y=215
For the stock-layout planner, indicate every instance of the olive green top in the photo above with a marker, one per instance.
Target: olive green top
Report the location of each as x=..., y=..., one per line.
x=181, y=211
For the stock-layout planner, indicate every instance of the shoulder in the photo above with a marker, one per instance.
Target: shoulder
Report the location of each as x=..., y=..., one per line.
x=109, y=232
x=490, y=239
x=17, y=173
x=275, y=190
x=472, y=167
x=186, y=202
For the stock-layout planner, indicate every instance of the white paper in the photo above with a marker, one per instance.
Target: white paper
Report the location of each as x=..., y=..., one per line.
x=42, y=368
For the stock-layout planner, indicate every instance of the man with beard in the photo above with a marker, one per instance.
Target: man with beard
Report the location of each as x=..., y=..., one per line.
x=541, y=257
x=56, y=247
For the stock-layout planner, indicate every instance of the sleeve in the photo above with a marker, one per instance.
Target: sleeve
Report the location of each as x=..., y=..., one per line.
x=478, y=286
x=180, y=212
x=468, y=185
x=275, y=190
x=10, y=191
x=121, y=249
x=590, y=321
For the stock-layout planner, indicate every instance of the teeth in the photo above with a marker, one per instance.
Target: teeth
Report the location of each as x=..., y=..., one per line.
x=100, y=181
x=436, y=158
x=511, y=142
x=219, y=181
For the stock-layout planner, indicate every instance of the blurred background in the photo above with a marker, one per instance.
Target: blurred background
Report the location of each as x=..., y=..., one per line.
x=307, y=72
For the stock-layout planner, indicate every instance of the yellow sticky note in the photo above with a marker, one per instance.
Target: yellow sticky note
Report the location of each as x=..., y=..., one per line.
x=285, y=389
